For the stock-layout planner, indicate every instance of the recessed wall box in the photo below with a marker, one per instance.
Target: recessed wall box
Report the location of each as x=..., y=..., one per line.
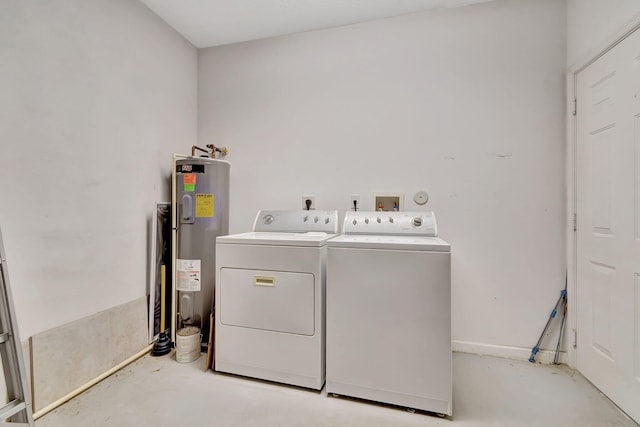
x=388, y=202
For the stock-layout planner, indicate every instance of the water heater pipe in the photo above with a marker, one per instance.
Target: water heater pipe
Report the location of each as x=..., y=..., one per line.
x=211, y=150
x=174, y=243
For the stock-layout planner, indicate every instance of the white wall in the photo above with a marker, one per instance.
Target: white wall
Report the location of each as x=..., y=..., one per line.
x=593, y=24
x=95, y=96
x=465, y=103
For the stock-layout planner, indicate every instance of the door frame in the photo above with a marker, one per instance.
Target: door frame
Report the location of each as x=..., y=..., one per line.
x=572, y=186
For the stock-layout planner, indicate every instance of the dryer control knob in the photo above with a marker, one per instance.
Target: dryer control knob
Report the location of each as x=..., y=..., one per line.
x=316, y=219
x=306, y=218
x=355, y=221
x=326, y=220
x=268, y=219
x=366, y=220
x=391, y=220
x=416, y=221
x=379, y=220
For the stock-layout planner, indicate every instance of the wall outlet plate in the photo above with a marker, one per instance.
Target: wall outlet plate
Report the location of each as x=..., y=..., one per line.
x=354, y=202
x=388, y=202
x=304, y=202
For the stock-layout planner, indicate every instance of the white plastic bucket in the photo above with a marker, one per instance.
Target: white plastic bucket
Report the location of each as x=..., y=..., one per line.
x=188, y=344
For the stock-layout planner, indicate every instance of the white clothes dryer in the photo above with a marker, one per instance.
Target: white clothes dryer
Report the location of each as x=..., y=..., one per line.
x=270, y=298
x=389, y=311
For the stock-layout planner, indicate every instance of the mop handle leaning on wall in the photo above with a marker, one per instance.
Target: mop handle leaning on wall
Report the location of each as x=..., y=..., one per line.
x=556, y=358
x=562, y=300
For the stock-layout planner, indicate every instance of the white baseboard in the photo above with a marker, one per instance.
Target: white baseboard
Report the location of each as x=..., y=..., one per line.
x=518, y=353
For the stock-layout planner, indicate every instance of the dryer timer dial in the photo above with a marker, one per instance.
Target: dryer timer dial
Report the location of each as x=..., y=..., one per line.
x=268, y=219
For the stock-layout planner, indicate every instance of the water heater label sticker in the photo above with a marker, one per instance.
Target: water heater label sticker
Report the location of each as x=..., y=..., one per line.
x=190, y=168
x=204, y=205
x=188, y=276
x=189, y=180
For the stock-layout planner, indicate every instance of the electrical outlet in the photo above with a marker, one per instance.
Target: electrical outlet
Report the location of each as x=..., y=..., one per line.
x=311, y=206
x=354, y=202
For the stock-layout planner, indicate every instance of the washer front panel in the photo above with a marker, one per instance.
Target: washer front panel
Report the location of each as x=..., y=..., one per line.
x=389, y=326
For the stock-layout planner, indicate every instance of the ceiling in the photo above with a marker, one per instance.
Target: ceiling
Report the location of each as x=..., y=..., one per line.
x=208, y=23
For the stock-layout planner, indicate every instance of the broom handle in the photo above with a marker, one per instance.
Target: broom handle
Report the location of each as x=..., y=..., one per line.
x=162, y=295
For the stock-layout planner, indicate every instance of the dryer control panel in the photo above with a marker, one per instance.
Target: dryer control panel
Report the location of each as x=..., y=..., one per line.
x=297, y=221
x=391, y=223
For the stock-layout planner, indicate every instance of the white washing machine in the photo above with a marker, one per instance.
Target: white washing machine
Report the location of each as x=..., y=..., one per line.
x=389, y=311
x=270, y=298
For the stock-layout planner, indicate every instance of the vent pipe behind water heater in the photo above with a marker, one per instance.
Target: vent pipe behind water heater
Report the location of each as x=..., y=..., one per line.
x=202, y=209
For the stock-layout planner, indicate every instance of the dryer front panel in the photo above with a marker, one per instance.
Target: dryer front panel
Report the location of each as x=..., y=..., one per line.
x=276, y=301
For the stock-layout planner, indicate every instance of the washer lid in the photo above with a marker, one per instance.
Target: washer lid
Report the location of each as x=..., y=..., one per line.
x=312, y=239
x=413, y=243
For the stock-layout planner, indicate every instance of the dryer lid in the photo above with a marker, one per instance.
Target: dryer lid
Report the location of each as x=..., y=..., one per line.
x=310, y=239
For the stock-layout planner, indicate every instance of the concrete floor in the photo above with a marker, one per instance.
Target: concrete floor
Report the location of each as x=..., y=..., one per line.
x=488, y=391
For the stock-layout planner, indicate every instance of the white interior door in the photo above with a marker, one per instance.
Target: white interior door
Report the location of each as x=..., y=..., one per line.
x=608, y=199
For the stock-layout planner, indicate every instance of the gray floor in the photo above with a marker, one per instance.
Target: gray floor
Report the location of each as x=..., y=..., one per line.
x=488, y=391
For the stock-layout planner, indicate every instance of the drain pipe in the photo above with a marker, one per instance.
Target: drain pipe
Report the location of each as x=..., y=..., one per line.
x=174, y=242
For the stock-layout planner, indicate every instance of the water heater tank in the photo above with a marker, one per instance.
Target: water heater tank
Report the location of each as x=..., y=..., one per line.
x=202, y=209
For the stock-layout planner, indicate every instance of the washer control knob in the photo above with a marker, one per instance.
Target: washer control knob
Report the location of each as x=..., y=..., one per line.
x=416, y=221
x=306, y=218
x=379, y=220
x=355, y=221
x=316, y=219
x=391, y=220
x=366, y=220
x=268, y=219
x=326, y=220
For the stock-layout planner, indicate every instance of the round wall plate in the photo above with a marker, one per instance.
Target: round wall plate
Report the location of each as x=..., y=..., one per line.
x=421, y=197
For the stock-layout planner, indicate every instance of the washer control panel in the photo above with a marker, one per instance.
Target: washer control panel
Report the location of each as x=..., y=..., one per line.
x=391, y=223
x=297, y=221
